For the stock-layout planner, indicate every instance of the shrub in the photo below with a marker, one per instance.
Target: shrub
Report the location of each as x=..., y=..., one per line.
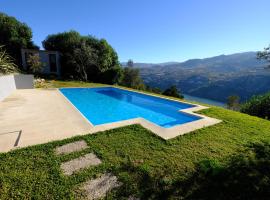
x=35, y=64
x=258, y=106
x=7, y=65
x=173, y=92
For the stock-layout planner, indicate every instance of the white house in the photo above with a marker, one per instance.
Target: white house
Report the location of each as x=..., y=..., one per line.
x=49, y=59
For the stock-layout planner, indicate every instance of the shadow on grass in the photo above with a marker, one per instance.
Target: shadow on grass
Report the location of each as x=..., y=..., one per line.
x=246, y=176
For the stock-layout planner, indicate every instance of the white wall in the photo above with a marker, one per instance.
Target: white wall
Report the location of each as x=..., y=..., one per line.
x=10, y=83
x=7, y=85
x=23, y=81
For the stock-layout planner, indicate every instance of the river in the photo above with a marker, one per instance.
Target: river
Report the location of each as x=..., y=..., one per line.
x=203, y=100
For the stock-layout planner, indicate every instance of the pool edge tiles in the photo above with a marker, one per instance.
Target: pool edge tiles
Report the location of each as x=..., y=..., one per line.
x=165, y=133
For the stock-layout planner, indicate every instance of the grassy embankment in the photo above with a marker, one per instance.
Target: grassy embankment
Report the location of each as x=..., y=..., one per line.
x=148, y=166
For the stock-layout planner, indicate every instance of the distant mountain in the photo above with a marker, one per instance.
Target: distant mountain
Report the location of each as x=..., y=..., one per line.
x=145, y=65
x=213, y=78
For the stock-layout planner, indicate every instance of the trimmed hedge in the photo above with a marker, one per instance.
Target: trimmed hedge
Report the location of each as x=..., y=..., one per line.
x=258, y=106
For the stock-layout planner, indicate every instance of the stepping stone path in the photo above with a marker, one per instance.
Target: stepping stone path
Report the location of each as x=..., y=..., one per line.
x=95, y=188
x=82, y=162
x=71, y=147
x=98, y=188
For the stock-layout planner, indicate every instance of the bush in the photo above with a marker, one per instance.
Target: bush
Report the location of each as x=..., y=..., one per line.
x=7, y=65
x=258, y=106
x=35, y=64
x=173, y=92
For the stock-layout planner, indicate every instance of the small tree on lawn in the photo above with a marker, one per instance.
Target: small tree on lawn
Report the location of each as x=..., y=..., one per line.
x=233, y=102
x=85, y=61
x=132, y=79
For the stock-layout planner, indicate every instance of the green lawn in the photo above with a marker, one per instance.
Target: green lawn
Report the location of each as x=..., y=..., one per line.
x=148, y=166
x=60, y=84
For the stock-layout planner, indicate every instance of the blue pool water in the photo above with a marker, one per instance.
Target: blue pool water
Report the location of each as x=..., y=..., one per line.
x=108, y=104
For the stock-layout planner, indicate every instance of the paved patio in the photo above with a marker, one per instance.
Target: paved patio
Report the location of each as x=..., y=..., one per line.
x=36, y=116
x=40, y=116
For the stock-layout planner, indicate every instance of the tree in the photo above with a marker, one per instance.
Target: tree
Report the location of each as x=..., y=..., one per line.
x=265, y=54
x=34, y=63
x=85, y=57
x=233, y=102
x=173, y=92
x=66, y=43
x=153, y=89
x=131, y=78
x=7, y=64
x=15, y=35
x=130, y=63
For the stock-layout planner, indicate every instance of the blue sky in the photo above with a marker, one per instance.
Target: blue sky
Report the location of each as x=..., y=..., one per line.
x=153, y=30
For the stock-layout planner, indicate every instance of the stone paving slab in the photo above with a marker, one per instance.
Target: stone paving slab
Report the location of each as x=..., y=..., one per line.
x=71, y=147
x=98, y=188
x=82, y=162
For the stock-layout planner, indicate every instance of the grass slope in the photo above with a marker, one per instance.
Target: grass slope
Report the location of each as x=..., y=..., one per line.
x=134, y=154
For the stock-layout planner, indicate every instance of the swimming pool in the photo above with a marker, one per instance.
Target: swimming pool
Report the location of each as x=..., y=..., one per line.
x=108, y=104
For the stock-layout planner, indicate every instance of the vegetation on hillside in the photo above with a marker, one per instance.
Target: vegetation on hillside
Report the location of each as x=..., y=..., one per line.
x=258, y=106
x=15, y=35
x=173, y=92
x=227, y=161
x=213, y=78
x=7, y=65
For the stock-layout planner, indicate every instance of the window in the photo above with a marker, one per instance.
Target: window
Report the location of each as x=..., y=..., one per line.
x=52, y=62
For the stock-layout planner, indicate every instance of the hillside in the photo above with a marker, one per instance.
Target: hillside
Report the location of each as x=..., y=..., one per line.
x=213, y=78
x=198, y=165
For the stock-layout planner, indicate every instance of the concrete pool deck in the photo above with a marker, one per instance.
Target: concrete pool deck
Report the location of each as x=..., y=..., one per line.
x=36, y=116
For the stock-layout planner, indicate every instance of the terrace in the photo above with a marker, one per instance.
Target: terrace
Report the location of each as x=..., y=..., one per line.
x=36, y=116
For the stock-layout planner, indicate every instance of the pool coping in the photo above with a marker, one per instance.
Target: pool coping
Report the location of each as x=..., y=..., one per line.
x=165, y=133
